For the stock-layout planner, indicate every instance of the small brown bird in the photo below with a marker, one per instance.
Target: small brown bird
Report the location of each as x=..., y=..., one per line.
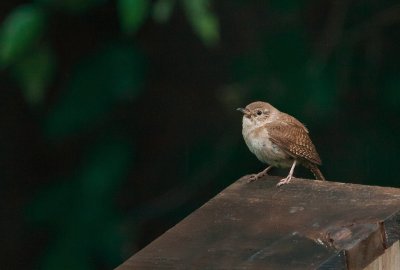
x=279, y=140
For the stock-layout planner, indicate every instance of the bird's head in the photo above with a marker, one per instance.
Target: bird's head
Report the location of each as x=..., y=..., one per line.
x=257, y=113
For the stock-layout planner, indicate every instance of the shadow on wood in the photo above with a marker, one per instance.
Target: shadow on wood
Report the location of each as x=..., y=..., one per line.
x=303, y=225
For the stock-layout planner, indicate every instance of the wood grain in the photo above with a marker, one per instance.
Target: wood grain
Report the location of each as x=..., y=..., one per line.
x=390, y=260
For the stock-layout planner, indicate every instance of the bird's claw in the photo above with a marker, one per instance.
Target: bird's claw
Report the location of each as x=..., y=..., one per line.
x=252, y=178
x=257, y=176
x=284, y=181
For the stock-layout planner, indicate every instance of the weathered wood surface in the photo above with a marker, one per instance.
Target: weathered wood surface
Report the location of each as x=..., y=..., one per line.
x=390, y=260
x=304, y=225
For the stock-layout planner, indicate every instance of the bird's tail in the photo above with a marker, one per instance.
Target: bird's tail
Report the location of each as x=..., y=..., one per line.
x=317, y=173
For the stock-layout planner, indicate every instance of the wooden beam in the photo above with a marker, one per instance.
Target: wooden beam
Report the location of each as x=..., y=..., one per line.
x=303, y=225
x=390, y=260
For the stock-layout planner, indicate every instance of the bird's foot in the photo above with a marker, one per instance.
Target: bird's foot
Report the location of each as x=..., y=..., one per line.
x=254, y=177
x=284, y=181
x=257, y=176
x=287, y=179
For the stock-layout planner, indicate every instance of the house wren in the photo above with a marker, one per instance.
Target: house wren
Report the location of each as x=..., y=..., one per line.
x=279, y=140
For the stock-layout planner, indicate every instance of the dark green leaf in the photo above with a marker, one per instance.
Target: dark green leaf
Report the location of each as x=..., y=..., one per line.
x=34, y=73
x=19, y=32
x=203, y=21
x=132, y=14
x=162, y=10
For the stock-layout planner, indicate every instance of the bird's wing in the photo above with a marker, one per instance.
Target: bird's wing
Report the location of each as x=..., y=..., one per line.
x=284, y=117
x=292, y=137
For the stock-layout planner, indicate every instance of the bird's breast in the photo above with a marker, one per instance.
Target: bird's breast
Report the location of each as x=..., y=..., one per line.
x=259, y=143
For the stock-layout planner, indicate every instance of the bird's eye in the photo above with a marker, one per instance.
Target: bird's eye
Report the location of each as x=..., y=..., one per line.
x=259, y=112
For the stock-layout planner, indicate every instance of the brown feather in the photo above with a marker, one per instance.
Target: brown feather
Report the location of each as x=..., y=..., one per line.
x=292, y=137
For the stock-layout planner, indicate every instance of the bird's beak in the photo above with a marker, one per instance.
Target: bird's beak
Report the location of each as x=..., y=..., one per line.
x=244, y=111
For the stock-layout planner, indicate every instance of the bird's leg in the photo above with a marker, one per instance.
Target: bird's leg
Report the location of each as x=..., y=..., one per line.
x=289, y=177
x=256, y=176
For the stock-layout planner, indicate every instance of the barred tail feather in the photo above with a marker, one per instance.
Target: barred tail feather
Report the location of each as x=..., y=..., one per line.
x=317, y=173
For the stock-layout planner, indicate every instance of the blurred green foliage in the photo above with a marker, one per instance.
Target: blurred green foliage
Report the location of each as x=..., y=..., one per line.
x=117, y=117
x=82, y=211
x=204, y=23
x=162, y=10
x=112, y=74
x=132, y=14
x=20, y=31
x=70, y=6
x=77, y=206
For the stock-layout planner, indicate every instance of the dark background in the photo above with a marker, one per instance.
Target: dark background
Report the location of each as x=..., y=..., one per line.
x=117, y=118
